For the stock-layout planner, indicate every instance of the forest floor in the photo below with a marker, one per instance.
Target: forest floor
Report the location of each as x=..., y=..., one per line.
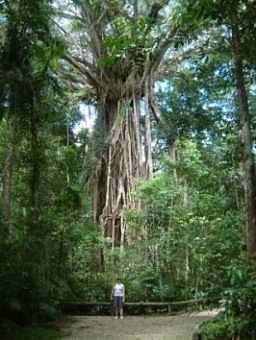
x=135, y=327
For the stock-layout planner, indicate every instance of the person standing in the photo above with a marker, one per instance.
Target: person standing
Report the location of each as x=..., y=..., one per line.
x=118, y=297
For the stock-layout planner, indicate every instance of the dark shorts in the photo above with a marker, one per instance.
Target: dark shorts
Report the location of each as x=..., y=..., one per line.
x=118, y=301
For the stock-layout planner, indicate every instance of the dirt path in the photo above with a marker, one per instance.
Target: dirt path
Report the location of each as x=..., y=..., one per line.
x=134, y=327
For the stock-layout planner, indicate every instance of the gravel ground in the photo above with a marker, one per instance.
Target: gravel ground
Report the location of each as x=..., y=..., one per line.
x=135, y=327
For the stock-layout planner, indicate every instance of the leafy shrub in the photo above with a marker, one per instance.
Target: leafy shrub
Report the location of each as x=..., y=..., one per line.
x=222, y=328
x=239, y=302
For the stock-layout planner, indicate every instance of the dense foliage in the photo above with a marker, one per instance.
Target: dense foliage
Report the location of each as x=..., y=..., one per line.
x=161, y=189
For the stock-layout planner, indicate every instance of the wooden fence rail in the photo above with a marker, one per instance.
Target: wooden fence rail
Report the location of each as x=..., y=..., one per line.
x=96, y=306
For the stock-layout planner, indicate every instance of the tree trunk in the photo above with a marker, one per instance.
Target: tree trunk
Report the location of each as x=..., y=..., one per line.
x=7, y=169
x=248, y=159
x=148, y=144
x=122, y=167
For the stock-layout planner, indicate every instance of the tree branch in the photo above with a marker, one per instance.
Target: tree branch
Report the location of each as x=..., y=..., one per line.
x=92, y=78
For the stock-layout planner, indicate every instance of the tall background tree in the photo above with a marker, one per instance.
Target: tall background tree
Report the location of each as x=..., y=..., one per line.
x=33, y=123
x=237, y=18
x=119, y=49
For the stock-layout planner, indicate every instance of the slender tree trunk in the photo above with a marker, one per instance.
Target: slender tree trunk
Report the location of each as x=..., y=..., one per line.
x=148, y=146
x=187, y=252
x=67, y=144
x=34, y=181
x=136, y=113
x=7, y=169
x=123, y=230
x=248, y=159
x=162, y=122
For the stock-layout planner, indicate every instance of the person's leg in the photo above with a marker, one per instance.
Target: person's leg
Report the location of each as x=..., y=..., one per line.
x=115, y=302
x=121, y=308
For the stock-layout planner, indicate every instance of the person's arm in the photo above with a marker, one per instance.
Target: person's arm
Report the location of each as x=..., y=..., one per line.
x=123, y=293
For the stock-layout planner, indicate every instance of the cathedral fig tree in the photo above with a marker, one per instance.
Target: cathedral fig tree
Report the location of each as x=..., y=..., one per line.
x=119, y=50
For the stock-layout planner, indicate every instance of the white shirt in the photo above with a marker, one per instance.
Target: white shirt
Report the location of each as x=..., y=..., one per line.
x=118, y=289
